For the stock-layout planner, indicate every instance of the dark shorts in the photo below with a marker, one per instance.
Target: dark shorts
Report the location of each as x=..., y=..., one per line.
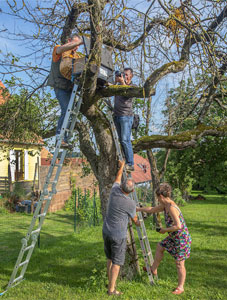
x=115, y=249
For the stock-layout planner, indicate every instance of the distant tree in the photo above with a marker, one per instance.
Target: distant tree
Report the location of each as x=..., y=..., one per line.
x=156, y=39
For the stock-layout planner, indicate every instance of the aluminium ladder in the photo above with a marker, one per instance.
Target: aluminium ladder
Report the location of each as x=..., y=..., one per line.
x=144, y=242
x=29, y=242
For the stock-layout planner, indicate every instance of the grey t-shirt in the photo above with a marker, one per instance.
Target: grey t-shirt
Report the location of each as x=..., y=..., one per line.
x=120, y=209
x=123, y=105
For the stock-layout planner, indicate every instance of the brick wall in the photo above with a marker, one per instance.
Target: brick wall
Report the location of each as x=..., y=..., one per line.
x=73, y=169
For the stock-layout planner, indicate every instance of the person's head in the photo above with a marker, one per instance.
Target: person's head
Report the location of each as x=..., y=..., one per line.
x=163, y=191
x=128, y=185
x=128, y=75
x=74, y=37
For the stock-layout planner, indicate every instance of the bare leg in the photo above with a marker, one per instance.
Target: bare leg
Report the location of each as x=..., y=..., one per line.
x=108, y=265
x=114, y=271
x=181, y=271
x=158, y=257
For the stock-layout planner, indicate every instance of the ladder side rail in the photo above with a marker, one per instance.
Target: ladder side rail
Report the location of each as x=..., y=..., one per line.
x=36, y=213
x=51, y=171
x=28, y=257
x=143, y=229
x=75, y=111
x=68, y=112
x=25, y=243
x=14, y=281
x=72, y=125
x=19, y=258
x=145, y=246
x=55, y=181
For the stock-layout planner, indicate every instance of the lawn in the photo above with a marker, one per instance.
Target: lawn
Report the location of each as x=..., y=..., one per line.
x=70, y=266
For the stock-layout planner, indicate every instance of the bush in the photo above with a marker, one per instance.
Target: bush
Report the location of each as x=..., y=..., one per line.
x=177, y=197
x=88, y=209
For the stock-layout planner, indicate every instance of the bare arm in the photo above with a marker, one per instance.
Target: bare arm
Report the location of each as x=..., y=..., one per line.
x=176, y=221
x=120, y=171
x=69, y=46
x=151, y=210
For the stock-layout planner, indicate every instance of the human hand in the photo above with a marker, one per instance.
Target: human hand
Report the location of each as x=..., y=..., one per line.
x=162, y=231
x=138, y=223
x=121, y=80
x=121, y=163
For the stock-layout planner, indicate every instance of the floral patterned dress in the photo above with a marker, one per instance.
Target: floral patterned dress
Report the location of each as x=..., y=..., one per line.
x=177, y=243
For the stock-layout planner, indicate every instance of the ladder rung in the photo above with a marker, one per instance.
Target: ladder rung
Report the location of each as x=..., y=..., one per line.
x=58, y=165
x=73, y=112
x=47, y=199
x=23, y=263
x=41, y=215
x=53, y=182
x=35, y=231
x=18, y=278
x=29, y=247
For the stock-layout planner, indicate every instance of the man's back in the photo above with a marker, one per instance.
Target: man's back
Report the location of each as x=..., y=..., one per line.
x=120, y=208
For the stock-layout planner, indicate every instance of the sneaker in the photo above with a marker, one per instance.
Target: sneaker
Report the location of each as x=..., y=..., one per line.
x=129, y=168
x=64, y=144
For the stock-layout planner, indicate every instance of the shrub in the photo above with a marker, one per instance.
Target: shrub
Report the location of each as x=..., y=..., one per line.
x=177, y=197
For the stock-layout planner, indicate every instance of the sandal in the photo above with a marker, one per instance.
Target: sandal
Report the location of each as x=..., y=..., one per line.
x=114, y=293
x=178, y=291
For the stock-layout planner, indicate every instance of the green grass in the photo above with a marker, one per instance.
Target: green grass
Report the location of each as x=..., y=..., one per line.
x=71, y=266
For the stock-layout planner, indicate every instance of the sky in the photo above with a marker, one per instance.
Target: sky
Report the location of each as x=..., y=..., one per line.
x=13, y=24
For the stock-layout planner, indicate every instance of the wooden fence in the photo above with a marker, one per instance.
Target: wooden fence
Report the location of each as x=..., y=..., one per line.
x=4, y=184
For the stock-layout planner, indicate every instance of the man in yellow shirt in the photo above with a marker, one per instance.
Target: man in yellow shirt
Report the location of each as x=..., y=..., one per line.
x=63, y=86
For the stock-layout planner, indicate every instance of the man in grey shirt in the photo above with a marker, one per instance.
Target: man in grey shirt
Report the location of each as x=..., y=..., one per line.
x=123, y=118
x=120, y=208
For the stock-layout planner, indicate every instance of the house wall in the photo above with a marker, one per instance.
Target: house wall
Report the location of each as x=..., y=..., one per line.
x=32, y=159
x=33, y=154
x=3, y=164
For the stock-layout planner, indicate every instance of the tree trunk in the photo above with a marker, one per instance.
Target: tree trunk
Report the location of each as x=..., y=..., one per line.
x=104, y=167
x=155, y=183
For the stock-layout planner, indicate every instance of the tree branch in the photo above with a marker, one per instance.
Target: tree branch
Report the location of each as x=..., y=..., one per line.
x=179, y=141
x=71, y=20
x=112, y=42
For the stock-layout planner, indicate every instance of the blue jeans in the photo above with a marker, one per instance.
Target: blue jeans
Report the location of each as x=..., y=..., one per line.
x=123, y=125
x=63, y=97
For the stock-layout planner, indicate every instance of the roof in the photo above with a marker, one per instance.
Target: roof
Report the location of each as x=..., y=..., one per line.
x=46, y=157
x=141, y=174
x=142, y=171
x=2, y=99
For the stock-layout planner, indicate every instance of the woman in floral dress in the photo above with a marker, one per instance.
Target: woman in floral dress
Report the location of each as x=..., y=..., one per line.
x=178, y=241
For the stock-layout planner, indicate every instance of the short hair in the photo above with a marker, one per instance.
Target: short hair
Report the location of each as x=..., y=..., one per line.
x=128, y=185
x=164, y=189
x=72, y=35
x=129, y=69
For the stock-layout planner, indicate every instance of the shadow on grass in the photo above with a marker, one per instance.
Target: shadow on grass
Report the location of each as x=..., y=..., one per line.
x=207, y=229
x=62, y=218
x=211, y=199
x=64, y=260
x=208, y=268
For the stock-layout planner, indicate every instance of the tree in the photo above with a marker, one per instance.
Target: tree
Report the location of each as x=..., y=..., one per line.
x=166, y=37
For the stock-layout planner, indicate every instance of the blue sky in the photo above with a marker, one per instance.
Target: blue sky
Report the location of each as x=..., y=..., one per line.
x=15, y=46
